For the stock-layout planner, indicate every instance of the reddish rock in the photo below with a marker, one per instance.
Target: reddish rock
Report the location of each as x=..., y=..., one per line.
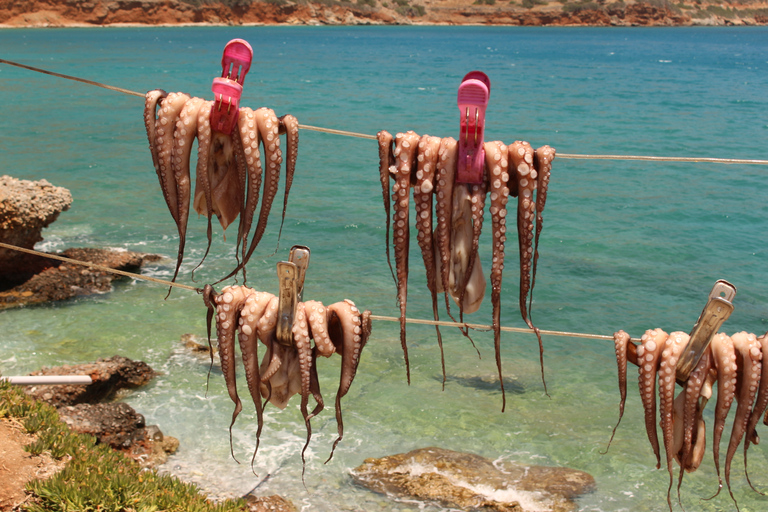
x=108, y=375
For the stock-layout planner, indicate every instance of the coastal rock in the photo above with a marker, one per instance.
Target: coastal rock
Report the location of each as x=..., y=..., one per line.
x=108, y=375
x=115, y=424
x=470, y=482
x=121, y=427
x=61, y=281
x=272, y=503
x=26, y=207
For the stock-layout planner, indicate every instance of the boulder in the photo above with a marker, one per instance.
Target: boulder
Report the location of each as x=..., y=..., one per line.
x=26, y=207
x=470, y=482
x=108, y=375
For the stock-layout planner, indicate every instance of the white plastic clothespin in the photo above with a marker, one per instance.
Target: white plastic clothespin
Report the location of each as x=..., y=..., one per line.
x=717, y=310
x=291, y=274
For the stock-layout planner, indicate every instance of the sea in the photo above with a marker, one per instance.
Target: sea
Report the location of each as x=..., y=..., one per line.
x=631, y=245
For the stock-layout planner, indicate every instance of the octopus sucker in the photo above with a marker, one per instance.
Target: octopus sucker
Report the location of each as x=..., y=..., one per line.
x=648, y=354
x=749, y=362
x=521, y=157
x=497, y=162
x=673, y=348
x=423, y=191
x=285, y=370
x=621, y=345
x=405, y=149
x=165, y=127
x=249, y=137
x=761, y=402
x=386, y=160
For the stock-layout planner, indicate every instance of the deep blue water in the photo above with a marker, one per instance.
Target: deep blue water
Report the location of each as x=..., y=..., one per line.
x=631, y=245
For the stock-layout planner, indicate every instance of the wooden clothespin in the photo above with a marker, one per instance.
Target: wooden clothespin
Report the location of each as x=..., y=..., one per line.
x=291, y=274
x=717, y=310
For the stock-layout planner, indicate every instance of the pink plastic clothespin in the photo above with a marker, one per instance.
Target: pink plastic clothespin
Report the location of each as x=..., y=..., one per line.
x=474, y=92
x=227, y=89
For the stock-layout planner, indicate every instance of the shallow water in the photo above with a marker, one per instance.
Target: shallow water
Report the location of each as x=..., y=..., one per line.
x=631, y=245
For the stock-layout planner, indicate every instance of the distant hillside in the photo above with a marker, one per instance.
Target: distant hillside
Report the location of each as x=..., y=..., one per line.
x=56, y=13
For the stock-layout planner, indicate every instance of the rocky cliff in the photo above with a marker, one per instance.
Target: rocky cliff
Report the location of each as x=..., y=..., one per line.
x=57, y=13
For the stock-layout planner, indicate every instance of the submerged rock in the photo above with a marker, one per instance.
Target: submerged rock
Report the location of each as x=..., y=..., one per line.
x=108, y=375
x=471, y=482
x=26, y=207
x=61, y=281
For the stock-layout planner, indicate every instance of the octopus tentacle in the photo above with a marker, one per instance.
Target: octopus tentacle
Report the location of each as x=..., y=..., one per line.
x=386, y=160
x=165, y=126
x=254, y=307
x=267, y=326
x=497, y=163
x=691, y=451
x=648, y=354
x=405, y=151
x=203, y=184
x=301, y=340
x=268, y=126
x=446, y=171
x=477, y=195
x=318, y=327
x=761, y=402
x=349, y=331
x=542, y=162
x=209, y=298
x=183, y=138
x=621, y=344
x=290, y=125
x=674, y=346
x=521, y=158
x=228, y=306
x=466, y=283
x=749, y=359
x=249, y=139
x=423, y=191
x=724, y=356
x=151, y=101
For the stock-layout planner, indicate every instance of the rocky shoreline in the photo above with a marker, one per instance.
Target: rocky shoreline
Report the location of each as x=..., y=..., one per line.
x=104, y=13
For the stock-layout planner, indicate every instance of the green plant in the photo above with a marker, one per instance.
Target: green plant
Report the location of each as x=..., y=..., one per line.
x=485, y=2
x=95, y=477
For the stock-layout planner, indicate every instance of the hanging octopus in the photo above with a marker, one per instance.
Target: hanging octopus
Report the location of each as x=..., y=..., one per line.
x=735, y=362
x=285, y=371
x=229, y=166
x=449, y=234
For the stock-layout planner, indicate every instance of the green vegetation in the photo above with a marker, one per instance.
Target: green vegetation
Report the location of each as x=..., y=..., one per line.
x=369, y=3
x=95, y=477
x=405, y=9
x=530, y=4
x=583, y=6
x=485, y=2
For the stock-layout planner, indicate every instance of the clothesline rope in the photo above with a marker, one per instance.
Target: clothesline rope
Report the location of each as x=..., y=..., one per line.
x=373, y=317
x=561, y=156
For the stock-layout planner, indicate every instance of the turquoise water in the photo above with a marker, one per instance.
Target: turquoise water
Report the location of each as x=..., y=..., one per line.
x=631, y=245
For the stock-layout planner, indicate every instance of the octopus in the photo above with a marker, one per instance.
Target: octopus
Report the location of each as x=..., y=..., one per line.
x=734, y=363
x=448, y=231
x=230, y=167
x=285, y=371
